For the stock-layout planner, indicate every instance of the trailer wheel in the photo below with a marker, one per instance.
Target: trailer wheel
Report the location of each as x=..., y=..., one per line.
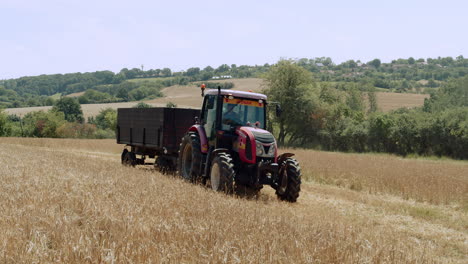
x=122, y=156
x=222, y=174
x=190, y=157
x=291, y=168
x=129, y=158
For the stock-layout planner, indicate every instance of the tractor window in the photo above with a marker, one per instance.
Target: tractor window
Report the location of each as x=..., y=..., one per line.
x=241, y=112
x=210, y=116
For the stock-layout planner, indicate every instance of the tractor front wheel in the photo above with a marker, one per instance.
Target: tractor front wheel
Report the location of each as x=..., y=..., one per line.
x=291, y=170
x=222, y=174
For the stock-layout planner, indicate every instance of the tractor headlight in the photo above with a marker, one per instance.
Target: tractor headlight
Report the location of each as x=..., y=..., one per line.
x=259, y=148
x=271, y=151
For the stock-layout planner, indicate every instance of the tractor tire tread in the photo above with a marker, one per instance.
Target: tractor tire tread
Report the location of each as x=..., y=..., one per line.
x=293, y=188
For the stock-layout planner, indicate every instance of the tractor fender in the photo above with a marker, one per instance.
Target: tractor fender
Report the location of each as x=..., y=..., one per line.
x=283, y=157
x=244, y=135
x=219, y=150
x=203, y=139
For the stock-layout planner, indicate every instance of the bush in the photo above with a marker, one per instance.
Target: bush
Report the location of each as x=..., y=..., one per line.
x=5, y=127
x=142, y=105
x=43, y=124
x=106, y=119
x=93, y=96
x=214, y=85
x=76, y=130
x=171, y=105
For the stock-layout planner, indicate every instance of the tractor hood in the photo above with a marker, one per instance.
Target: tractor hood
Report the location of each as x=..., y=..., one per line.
x=260, y=135
x=254, y=143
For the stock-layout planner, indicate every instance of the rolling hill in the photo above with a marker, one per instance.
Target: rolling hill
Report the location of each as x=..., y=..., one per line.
x=189, y=96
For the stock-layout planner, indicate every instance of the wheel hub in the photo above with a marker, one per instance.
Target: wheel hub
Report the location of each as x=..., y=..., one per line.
x=215, y=177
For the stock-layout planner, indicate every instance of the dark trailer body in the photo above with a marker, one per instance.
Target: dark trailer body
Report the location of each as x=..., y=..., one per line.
x=153, y=131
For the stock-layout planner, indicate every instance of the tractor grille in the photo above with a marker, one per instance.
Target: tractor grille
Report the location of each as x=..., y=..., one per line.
x=248, y=148
x=265, y=138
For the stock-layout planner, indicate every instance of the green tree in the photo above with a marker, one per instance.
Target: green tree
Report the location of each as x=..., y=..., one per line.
x=376, y=63
x=192, y=71
x=354, y=100
x=49, y=101
x=208, y=69
x=70, y=108
x=371, y=96
x=223, y=68
x=289, y=85
x=5, y=127
x=166, y=72
x=107, y=119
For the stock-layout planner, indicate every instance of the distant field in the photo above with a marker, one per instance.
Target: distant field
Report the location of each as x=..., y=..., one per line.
x=150, y=79
x=392, y=101
x=75, y=94
x=71, y=201
x=190, y=96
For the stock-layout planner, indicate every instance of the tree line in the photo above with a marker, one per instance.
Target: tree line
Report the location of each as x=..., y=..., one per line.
x=329, y=114
x=64, y=120
x=318, y=115
x=401, y=75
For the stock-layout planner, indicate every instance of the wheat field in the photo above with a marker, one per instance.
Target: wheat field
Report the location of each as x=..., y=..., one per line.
x=70, y=201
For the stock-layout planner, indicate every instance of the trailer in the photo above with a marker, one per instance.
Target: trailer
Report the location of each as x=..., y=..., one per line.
x=153, y=132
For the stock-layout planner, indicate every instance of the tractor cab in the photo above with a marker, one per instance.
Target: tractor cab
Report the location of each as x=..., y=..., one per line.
x=224, y=112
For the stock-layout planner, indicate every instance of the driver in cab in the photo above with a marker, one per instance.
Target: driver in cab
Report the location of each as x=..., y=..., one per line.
x=230, y=117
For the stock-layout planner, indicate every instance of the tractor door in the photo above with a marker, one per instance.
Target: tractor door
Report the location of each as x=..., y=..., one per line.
x=208, y=118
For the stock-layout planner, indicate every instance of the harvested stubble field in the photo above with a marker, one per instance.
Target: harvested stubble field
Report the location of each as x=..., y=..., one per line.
x=71, y=201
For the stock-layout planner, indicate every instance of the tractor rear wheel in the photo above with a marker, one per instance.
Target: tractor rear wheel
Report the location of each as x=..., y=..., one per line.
x=128, y=158
x=222, y=174
x=190, y=157
x=291, y=168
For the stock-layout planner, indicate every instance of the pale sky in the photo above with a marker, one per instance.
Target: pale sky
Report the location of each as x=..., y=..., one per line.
x=52, y=36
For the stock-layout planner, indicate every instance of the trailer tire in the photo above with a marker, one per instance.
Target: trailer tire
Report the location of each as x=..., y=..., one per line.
x=128, y=158
x=291, y=167
x=190, y=157
x=222, y=174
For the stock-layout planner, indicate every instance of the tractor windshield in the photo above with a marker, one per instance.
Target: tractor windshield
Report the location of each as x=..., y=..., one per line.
x=243, y=112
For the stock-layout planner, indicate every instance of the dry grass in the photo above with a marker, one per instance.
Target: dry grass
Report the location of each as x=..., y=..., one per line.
x=432, y=181
x=78, y=94
x=392, y=101
x=71, y=201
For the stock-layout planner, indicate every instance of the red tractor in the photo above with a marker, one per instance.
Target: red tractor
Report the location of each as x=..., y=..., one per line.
x=229, y=149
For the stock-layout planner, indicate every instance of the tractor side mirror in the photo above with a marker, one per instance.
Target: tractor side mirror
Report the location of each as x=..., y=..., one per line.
x=278, y=110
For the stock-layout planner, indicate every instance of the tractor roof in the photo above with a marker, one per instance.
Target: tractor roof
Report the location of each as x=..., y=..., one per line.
x=236, y=93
